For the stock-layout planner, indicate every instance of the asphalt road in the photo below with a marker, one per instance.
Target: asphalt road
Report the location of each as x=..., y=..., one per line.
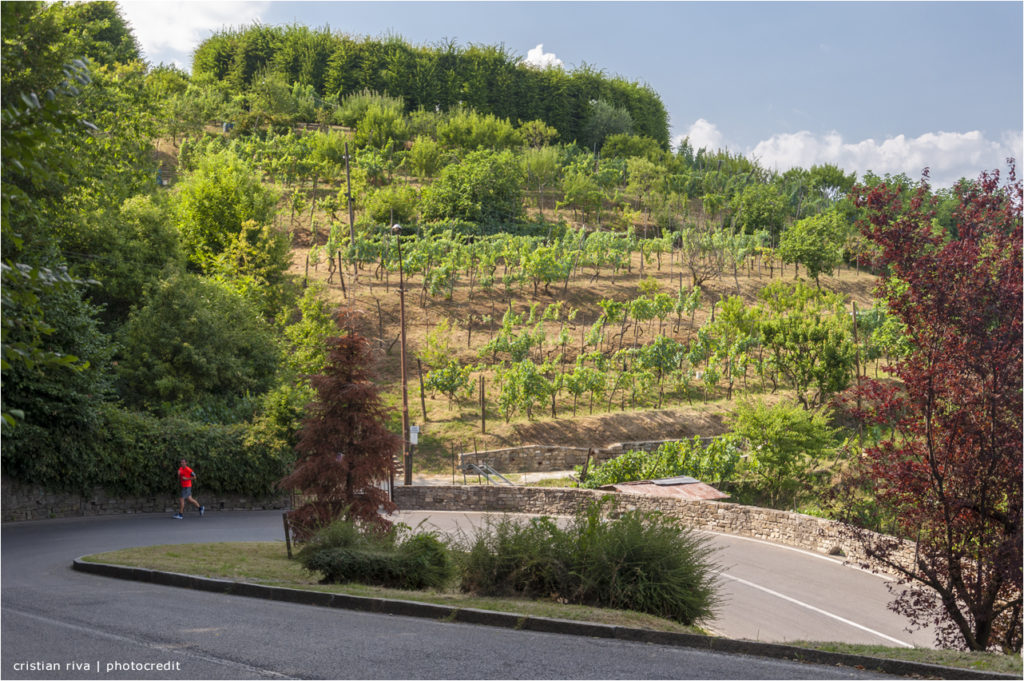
x=57, y=623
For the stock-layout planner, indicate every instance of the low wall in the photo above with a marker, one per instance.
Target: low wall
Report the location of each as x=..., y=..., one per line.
x=28, y=502
x=546, y=458
x=780, y=527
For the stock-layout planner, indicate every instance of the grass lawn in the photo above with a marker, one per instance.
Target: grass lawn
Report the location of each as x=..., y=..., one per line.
x=267, y=563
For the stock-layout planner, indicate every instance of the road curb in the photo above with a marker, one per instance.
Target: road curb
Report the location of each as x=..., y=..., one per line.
x=386, y=606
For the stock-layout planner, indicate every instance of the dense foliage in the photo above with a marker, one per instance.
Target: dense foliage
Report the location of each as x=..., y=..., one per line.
x=637, y=561
x=951, y=470
x=441, y=77
x=348, y=551
x=152, y=312
x=715, y=461
x=346, y=454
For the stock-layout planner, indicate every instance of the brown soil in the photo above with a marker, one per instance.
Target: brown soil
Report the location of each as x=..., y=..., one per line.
x=374, y=297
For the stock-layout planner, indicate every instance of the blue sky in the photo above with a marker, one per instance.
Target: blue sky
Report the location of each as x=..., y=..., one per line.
x=881, y=86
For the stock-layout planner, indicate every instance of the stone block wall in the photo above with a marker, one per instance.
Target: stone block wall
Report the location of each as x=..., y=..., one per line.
x=818, y=535
x=28, y=502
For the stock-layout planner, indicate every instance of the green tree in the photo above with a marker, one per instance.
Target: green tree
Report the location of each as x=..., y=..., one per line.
x=466, y=129
x=809, y=338
x=485, y=187
x=759, y=206
x=451, y=379
x=786, y=443
x=830, y=182
x=541, y=167
x=195, y=344
x=255, y=264
x=816, y=243
x=213, y=203
x=380, y=126
x=523, y=388
x=537, y=134
x=425, y=157
x=604, y=119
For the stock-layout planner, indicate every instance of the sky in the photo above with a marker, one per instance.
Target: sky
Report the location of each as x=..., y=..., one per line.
x=890, y=87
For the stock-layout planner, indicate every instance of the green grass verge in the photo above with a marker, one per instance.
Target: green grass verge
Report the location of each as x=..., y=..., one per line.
x=983, y=662
x=267, y=563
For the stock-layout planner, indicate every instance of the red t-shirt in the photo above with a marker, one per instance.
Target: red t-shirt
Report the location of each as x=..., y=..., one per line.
x=185, y=476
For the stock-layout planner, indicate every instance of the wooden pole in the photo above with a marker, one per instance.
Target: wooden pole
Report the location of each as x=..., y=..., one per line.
x=287, y=533
x=483, y=408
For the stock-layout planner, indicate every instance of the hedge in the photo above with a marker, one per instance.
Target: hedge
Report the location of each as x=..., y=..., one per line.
x=134, y=454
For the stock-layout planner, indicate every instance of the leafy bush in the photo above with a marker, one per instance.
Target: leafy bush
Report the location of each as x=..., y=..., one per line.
x=639, y=561
x=348, y=551
x=485, y=187
x=467, y=129
x=214, y=202
x=786, y=444
x=393, y=203
x=195, y=339
x=133, y=454
x=511, y=557
x=354, y=107
x=425, y=157
x=714, y=462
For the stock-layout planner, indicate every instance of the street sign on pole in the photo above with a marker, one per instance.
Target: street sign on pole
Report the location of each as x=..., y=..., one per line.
x=414, y=435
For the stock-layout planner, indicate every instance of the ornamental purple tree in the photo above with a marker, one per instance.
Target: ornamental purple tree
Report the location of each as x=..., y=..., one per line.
x=346, y=455
x=950, y=471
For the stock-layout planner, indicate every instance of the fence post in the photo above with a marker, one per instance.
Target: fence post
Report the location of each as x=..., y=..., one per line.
x=287, y=534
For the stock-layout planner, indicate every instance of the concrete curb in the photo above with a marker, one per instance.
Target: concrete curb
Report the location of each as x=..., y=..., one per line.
x=506, y=620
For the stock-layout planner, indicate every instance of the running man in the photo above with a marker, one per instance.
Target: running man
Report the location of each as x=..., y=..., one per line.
x=185, y=476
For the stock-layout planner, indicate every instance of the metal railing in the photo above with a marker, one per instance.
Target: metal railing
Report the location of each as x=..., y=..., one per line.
x=486, y=471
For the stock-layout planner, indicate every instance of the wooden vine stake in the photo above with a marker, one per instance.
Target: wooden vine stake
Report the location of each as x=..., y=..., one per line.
x=483, y=408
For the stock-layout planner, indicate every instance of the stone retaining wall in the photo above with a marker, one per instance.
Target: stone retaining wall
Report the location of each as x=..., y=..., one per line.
x=28, y=502
x=780, y=527
x=546, y=458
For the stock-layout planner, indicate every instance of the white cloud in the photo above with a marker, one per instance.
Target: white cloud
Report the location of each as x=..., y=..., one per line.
x=702, y=135
x=540, y=59
x=169, y=31
x=948, y=155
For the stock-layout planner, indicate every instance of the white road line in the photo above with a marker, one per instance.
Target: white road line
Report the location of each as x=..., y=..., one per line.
x=805, y=552
x=165, y=647
x=817, y=610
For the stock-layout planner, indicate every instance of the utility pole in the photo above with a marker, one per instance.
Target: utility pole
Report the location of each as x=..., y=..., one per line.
x=406, y=452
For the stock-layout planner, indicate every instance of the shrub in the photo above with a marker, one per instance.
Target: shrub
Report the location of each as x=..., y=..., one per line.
x=645, y=562
x=639, y=561
x=510, y=557
x=485, y=187
x=425, y=157
x=134, y=454
x=712, y=462
x=787, y=442
x=393, y=203
x=194, y=340
x=347, y=551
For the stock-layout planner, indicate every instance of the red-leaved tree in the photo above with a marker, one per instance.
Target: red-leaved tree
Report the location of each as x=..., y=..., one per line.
x=950, y=471
x=346, y=455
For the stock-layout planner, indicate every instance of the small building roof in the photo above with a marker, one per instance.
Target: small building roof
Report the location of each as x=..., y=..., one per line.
x=683, y=487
